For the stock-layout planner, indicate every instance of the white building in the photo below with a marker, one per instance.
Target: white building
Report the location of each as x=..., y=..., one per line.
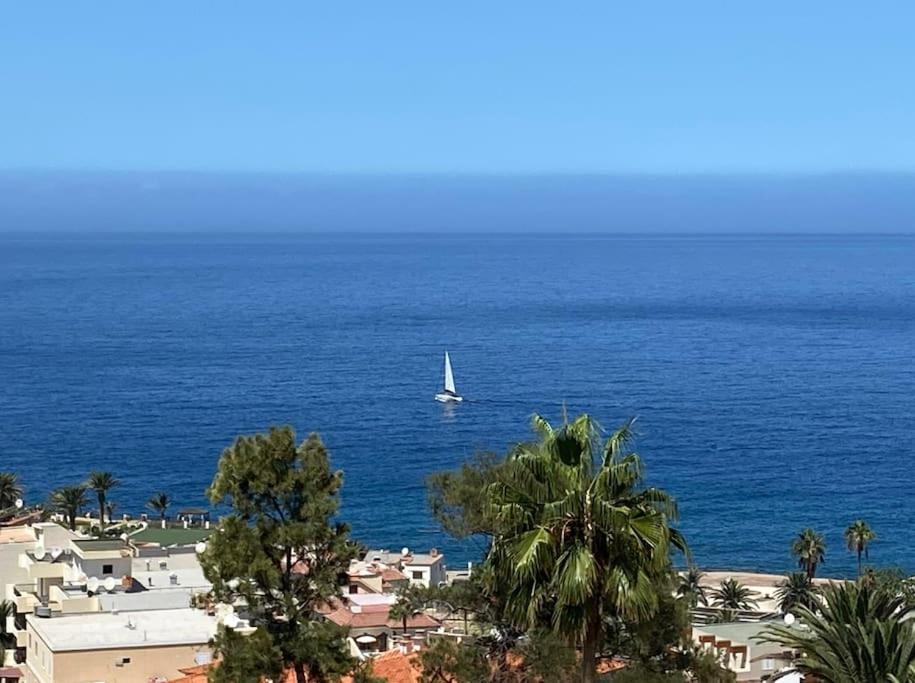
x=422, y=569
x=83, y=577
x=143, y=645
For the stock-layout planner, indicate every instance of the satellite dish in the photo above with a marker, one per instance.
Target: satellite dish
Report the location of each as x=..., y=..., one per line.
x=789, y=619
x=19, y=503
x=56, y=552
x=92, y=584
x=200, y=547
x=39, y=552
x=231, y=621
x=233, y=584
x=110, y=583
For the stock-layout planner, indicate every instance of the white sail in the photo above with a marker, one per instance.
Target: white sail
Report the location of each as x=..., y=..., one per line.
x=449, y=377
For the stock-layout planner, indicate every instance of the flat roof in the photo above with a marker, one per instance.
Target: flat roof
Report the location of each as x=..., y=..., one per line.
x=107, y=631
x=188, y=577
x=99, y=544
x=170, y=536
x=16, y=534
x=415, y=559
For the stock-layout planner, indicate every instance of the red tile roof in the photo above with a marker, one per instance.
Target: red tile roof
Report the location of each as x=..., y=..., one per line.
x=198, y=674
x=343, y=616
x=394, y=667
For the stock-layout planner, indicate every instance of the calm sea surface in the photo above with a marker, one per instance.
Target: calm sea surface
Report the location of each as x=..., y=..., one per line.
x=773, y=377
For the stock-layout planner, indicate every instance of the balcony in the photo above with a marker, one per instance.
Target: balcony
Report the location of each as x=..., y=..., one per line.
x=25, y=598
x=44, y=568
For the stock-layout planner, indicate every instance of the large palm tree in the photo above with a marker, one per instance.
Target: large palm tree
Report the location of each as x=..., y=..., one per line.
x=10, y=490
x=691, y=587
x=102, y=483
x=159, y=503
x=810, y=550
x=69, y=501
x=796, y=590
x=858, y=537
x=732, y=595
x=578, y=539
x=858, y=633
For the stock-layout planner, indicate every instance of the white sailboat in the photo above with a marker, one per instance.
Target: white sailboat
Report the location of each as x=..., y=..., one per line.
x=449, y=395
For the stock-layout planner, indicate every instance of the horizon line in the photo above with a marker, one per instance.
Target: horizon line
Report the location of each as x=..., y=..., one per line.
x=442, y=173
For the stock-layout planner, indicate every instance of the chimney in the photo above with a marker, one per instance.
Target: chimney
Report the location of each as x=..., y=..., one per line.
x=434, y=552
x=406, y=645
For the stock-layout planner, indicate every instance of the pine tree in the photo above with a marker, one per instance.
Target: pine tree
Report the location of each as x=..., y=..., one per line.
x=280, y=551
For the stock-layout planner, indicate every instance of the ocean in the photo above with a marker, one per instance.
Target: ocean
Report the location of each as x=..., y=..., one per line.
x=773, y=376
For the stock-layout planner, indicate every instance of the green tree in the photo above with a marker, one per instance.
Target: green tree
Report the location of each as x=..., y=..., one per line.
x=410, y=602
x=858, y=537
x=657, y=644
x=797, y=589
x=10, y=489
x=545, y=658
x=690, y=587
x=102, y=483
x=362, y=673
x=159, y=504
x=732, y=595
x=858, y=634
x=280, y=552
x=810, y=550
x=579, y=540
x=69, y=501
x=890, y=579
x=456, y=501
x=7, y=639
x=445, y=661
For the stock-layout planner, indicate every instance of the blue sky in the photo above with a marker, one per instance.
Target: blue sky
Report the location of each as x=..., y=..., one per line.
x=493, y=87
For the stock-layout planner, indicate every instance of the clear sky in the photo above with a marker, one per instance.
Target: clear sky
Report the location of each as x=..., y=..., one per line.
x=493, y=87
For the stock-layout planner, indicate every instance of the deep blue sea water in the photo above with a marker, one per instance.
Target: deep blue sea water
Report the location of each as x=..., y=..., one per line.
x=773, y=377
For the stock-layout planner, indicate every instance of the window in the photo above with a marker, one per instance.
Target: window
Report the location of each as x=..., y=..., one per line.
x=417, y=575
x=107, y=569
x=768, y=664
x=353, y=589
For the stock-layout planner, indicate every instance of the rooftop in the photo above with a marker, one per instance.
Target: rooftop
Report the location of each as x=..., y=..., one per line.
x=164, y=537
x=99, y=545
x=396, y=667
x=16, y=534
x=342, y=615
x=737, y=632
x=411, y=558
x=188, y=577
x=106, y=631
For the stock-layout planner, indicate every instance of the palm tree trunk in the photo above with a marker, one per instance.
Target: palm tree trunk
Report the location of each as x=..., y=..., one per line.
x=300, y=676
x=589, y=645
x=859, y=563
x=101, y=512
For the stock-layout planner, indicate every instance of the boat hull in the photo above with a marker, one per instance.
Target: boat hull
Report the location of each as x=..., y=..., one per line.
x=448, y=398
